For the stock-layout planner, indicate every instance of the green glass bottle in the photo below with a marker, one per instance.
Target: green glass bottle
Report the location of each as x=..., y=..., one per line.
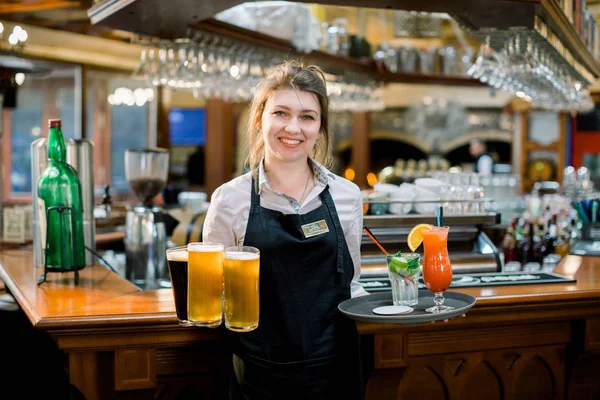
x=59, y=187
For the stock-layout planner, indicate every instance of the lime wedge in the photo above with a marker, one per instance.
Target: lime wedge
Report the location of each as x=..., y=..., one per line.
x=404, y=266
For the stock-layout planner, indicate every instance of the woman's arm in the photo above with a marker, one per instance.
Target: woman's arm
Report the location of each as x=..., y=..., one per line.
x=354, y=239
x=218, y=224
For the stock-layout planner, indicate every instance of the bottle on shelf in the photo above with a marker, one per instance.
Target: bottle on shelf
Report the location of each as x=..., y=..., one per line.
x=561, y=245
x=509, y=243
x=551, y=235
x=61, y=229
x=519, y=230
x=539, y=244
x=526, y=244
x=573, y=232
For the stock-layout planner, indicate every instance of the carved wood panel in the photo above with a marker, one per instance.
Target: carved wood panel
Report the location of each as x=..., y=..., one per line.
x=135, y=369
x=504, y=374
x=390, y=351
x=193, y=372
x=482, y=383
x=446, y=341
x=584, y=383
x=592, y=334
x=89, y=372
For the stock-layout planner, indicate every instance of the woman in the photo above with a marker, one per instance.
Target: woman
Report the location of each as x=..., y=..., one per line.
x=307, y=224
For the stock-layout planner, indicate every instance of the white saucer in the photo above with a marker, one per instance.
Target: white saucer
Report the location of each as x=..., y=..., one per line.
x=393, y=310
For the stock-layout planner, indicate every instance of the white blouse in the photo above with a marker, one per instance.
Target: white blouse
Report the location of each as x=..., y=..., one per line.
x=227, y=215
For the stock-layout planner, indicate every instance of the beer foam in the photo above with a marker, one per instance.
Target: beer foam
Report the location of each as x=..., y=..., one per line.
x=205, y=248
x=179, y=255
x=241, y=255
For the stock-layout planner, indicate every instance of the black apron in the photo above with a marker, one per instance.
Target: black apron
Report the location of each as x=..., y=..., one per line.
x=304, y=347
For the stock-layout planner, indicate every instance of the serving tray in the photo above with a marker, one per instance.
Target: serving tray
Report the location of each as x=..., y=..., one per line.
x=361, y=308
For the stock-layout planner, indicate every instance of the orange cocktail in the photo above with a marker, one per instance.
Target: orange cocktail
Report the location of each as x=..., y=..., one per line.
x=437, y=270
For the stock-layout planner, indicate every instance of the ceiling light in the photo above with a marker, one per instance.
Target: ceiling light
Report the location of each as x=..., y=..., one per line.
x=13, y=39
x=19, y=78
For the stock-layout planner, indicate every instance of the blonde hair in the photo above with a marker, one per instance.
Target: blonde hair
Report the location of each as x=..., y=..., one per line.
x=289, y=75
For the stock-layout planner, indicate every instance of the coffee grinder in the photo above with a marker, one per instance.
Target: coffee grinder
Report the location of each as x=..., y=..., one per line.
x=146, y=172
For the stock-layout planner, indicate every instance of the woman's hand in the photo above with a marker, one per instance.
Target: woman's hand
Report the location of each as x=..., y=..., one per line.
x=447, y=319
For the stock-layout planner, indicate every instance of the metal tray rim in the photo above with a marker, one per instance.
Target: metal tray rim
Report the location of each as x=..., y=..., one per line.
x=404, y=318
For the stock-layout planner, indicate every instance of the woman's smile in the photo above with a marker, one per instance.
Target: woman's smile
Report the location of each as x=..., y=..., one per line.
x=290, y=124
x=292, y=143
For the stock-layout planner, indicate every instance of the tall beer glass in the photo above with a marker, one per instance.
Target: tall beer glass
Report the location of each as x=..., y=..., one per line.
x=241, y=272
x=177, y=260
x=205, y=284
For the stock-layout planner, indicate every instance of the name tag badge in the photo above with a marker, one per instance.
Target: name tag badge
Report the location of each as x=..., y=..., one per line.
x=315, y=228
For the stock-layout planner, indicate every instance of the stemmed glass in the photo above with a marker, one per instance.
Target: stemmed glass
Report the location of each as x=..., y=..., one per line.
x=485, y=64
x=211, y=65
x=437, y=270
x=529, y=69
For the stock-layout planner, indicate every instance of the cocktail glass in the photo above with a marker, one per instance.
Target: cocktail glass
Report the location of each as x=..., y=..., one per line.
x=403, y=270
x=437, y=270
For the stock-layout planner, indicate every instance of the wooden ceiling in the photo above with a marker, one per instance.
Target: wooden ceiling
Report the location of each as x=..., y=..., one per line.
x=57, y=14
x=72, y=16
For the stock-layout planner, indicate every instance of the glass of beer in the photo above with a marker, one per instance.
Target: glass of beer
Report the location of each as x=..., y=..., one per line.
x=205, y=284
x=177, y=260
x=241, y=272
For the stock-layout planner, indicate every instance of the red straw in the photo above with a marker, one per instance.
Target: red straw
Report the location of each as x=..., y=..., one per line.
x=370, y=234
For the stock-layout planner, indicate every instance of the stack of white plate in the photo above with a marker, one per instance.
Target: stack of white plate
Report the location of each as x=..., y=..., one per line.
x=428, y=190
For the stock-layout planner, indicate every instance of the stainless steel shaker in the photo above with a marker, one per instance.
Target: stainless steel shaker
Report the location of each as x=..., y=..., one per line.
x=80, y=155
x=145, y=248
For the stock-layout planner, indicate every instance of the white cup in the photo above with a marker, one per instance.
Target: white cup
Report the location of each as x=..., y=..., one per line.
x=192, y=201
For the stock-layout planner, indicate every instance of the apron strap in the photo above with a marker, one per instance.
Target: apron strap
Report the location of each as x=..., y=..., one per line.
x=329, y=208
x=254, y=198
x=337, y=226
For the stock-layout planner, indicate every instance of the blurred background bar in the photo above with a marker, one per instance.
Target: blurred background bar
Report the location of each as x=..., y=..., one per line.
x=420, y=92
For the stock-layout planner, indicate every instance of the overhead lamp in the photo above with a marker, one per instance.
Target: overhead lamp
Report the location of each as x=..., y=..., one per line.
x=126, y=96
x=19, y=78
x=15, y=41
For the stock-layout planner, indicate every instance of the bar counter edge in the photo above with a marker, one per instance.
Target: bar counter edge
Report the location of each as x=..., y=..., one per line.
x=537, y=341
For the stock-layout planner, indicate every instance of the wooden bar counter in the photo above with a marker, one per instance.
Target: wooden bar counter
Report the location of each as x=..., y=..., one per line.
x=537, y=341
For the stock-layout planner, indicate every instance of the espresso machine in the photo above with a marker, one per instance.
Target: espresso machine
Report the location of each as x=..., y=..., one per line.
x=146, y=172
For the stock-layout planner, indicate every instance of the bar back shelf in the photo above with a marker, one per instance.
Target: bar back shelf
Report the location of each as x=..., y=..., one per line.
x=470, y=249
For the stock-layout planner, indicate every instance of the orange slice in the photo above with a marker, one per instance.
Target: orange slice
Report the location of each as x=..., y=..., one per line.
x=415, y=236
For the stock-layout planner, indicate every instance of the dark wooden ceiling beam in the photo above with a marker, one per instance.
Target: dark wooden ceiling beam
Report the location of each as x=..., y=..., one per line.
x=171, y=19
x=81, y=27
x=14, y=8
x=165, y=19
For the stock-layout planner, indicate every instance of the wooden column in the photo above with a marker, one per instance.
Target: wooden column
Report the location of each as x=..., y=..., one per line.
x=561, y=146
x=81, y=101
x=360, y=159
x=88, y=372
x=162, y=108
x=219, y=162
x=525, y=184
x=101, y=126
